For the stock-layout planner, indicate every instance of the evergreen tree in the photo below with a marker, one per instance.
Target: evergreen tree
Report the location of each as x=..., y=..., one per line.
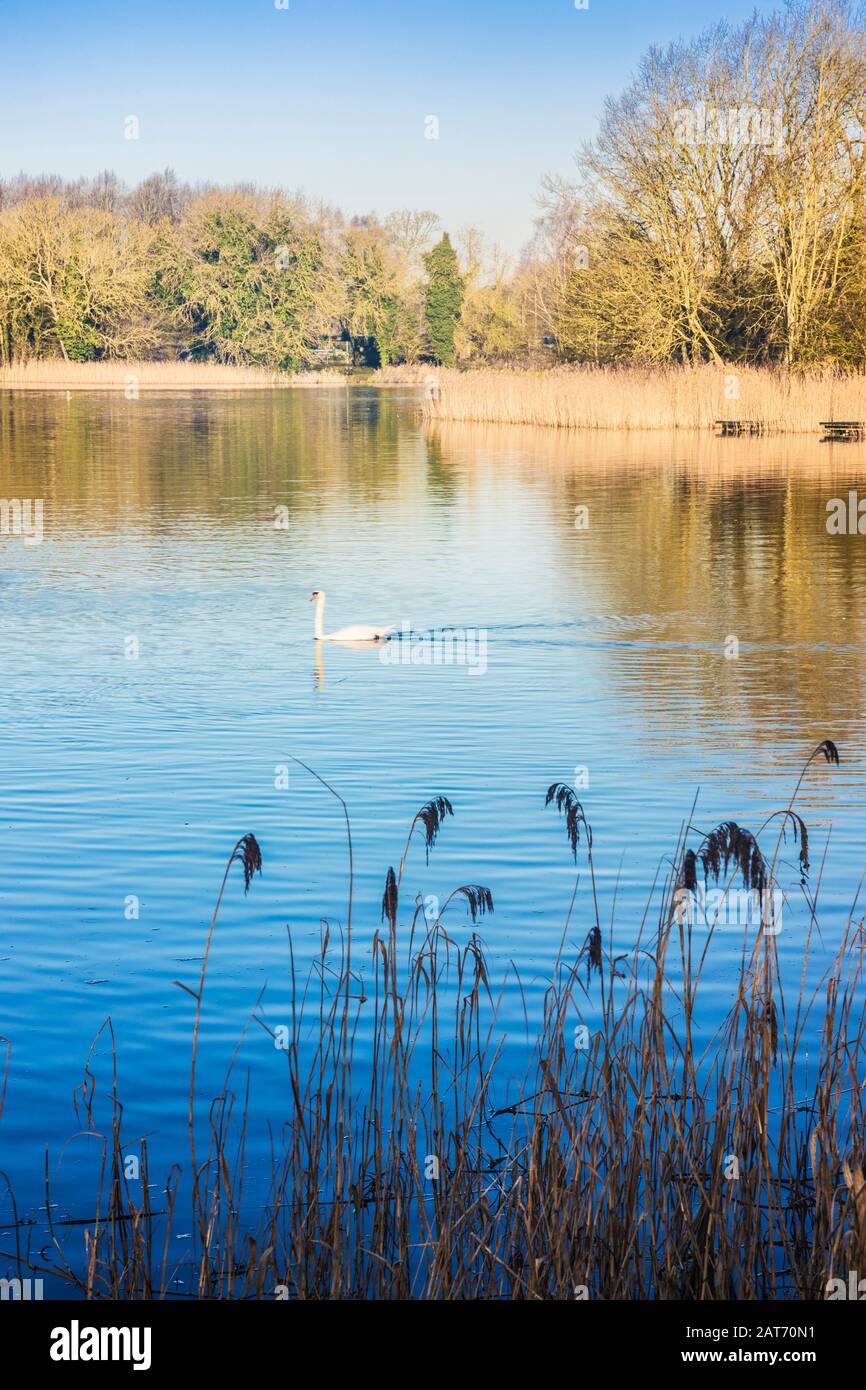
x=443, y=299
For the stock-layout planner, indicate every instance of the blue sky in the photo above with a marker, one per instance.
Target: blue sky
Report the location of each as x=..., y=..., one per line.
x=329, y=96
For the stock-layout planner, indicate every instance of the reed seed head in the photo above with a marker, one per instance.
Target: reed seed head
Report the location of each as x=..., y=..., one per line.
x=575, y=816
x=592, y=951
x=431, y=817
x=248, y=854
x=389, y=899
x=690, y=871
x=801, y=837
x=480, y=899
x=830, y=751
x=729, y=844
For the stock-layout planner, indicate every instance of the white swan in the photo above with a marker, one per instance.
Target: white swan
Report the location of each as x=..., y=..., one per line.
x=358, y=633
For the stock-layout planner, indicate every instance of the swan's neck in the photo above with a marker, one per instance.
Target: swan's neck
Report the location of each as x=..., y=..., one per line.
x=320, y=608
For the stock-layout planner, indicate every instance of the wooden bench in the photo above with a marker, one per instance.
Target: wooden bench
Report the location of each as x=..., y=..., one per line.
x=843, y=429
x=741, y=426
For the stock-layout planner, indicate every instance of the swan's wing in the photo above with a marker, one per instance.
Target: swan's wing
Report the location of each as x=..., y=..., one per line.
x=366, y=645
x=358, y=633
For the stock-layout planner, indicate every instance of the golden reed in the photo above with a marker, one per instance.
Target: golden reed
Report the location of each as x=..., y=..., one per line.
x=634, y=398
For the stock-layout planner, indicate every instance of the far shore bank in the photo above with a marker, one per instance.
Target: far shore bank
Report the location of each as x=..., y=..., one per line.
x=773, y=400
x=134, y=377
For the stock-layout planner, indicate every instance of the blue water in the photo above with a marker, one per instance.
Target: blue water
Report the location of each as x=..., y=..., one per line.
x=131, y=776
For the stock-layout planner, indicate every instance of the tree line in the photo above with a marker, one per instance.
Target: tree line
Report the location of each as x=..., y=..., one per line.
x=717, y=216
x=719, y=213
x=90, y=270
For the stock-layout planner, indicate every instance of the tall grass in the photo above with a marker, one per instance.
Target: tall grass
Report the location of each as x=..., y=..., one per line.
x=55, y=374
x=407, y=1171
x=662, y=398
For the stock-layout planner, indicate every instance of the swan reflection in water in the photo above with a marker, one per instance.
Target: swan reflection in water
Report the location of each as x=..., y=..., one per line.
x=350, y=645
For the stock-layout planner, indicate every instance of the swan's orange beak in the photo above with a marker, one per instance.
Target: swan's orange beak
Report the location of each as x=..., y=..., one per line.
x=314, y=594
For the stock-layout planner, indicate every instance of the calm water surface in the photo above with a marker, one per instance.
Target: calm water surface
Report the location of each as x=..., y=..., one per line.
x=132, y=778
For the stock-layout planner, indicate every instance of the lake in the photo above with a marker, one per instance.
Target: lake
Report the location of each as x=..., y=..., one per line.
x=654, y=619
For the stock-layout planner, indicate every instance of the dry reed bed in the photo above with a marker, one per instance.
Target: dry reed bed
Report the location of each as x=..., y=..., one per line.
x=187, y=376
x=630, y=398
x=608, y=1172
x=673, y=398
